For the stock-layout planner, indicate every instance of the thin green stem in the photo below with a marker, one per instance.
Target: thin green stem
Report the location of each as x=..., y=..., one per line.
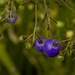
x=68, y=7
x=64, y=41
x=53, y=20
x=7, y=5
x=5, y=11
x=28, y=37
x=34, y=31
x=69, y=43
x=35, y=22
x=48, y=17
x=44, y=30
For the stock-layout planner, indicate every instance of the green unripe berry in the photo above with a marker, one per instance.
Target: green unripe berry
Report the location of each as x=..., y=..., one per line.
x=22, y=38
x=60, y=57
x=28, y=45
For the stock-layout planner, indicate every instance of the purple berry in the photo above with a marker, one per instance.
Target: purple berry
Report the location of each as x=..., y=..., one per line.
x=51, y=48
x=11, y=18
x=39, y=43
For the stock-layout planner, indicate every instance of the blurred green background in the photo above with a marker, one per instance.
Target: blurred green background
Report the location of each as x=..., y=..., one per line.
x=15, y=59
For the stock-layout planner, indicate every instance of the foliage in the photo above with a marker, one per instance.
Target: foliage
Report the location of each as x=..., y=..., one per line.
x=15, y=59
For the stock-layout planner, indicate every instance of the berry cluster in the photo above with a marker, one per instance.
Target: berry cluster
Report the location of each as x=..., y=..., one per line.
x=50, y=47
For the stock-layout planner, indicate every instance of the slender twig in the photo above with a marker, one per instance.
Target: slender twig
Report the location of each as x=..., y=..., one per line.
x=64, y=41
x=50, y=29
x=48, y=17
x=34, y=31
x=28, y=37
x=68, y=7
x=35, y=22
x=69, y=43
x=6, y=7
x=44, y=17
x=32, y=2
x=53, y=20
x=44, y=30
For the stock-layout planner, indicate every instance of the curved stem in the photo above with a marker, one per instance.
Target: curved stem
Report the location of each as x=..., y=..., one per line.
x=35, y=22
x=69, y=43
x=28, y=37
x=64, y=41
x=7, y=6
x=48, y=17
x=68, y=7
x=5, y=12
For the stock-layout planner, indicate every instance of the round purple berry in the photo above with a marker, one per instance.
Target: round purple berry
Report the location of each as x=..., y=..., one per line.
x=51, y=48
x=11, y=18
x=39, y=43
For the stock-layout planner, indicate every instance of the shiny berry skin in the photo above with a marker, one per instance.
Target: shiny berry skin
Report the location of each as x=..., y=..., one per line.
x=39, y=43
x=51, y=48
x=11, y=18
